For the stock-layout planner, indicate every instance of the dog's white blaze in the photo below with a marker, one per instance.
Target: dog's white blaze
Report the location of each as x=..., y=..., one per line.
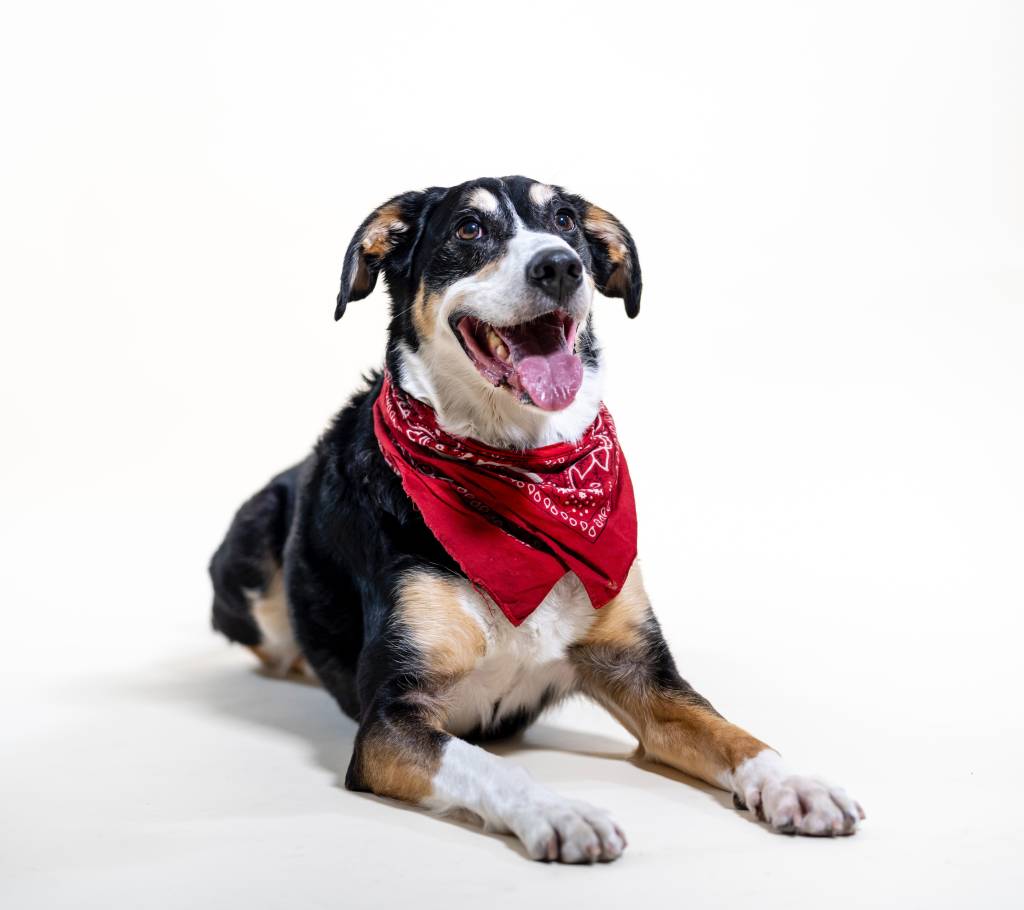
x=492, y=297
x=484, y=200
x=507, y=799
x=520, y=663
x=441, y=374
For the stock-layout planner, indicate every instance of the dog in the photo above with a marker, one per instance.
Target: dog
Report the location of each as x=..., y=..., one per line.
x=416, y=565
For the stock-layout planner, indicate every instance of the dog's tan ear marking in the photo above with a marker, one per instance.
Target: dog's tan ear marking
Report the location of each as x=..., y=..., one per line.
x=380, y=237
x=606, y=229
x=616, y=264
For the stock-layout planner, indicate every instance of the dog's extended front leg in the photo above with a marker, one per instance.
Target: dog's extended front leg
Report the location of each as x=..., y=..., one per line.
x=401, y=752
x=625, y=664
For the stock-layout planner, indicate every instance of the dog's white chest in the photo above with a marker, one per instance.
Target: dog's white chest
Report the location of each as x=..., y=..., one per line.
x=522, y=665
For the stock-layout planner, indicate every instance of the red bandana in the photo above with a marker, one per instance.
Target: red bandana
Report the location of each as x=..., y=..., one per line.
x=516, y=522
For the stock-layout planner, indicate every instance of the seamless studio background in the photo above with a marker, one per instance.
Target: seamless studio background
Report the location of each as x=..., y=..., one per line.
x=821, y=403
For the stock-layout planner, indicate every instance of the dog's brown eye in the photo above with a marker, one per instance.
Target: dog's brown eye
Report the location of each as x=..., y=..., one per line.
x=470, y=230
x=565, y=222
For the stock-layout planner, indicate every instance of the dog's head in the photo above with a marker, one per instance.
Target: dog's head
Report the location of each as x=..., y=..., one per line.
x=492, y=283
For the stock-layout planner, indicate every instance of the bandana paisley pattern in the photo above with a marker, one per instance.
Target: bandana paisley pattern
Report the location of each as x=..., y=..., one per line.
x=516, y=521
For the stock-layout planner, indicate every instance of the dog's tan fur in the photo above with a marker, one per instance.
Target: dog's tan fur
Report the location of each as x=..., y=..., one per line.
x=399, y=763
x=605, y=226
x=676, y=729
x=620, y=623
x=380, y=233
x=449, y=639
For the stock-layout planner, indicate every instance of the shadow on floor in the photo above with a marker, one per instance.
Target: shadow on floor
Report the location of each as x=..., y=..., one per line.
x=306, y=712
x=249, y=696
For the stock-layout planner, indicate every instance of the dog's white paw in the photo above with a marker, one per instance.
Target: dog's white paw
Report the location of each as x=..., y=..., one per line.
x=567, y=831
x=790, y=803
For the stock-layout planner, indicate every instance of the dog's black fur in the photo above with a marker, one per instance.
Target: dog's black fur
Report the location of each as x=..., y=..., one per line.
x=340, y=523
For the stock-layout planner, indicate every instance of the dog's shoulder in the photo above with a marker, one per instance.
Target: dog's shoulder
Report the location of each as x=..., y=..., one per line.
x=352, y=508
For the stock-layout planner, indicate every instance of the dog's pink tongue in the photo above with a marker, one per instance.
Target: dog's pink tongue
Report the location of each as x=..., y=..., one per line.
x=552, y=380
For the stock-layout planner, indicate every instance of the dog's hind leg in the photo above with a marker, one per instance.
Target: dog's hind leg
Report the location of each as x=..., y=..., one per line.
x=277, y=649
x=250, y=605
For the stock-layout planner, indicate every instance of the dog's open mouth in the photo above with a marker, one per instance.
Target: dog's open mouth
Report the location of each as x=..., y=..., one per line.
x=537, y=359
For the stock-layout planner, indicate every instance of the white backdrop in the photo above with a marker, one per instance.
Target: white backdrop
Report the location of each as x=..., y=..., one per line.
x=821, y=402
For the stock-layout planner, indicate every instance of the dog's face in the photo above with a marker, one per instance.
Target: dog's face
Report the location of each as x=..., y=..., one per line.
x=492, y=282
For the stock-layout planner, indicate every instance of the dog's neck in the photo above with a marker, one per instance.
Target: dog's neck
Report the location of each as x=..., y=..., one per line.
x=466, y=406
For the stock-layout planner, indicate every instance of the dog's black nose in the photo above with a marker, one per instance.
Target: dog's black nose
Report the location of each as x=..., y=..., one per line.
x=557, y=272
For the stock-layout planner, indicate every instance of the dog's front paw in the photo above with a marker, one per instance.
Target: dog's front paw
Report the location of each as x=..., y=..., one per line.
x=790, y=803
x=567, y=831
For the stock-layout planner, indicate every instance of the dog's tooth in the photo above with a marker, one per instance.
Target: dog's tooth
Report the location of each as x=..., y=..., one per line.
x=501, y=352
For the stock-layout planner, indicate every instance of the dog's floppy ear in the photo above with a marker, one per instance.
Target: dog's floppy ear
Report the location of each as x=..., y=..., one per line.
x=384, y=240
x=616, y=265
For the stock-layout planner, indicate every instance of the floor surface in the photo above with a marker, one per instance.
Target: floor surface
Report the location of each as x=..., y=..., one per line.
x=175, y=775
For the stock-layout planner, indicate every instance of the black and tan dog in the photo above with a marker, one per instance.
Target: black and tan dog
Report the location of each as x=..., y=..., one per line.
x=331, y=570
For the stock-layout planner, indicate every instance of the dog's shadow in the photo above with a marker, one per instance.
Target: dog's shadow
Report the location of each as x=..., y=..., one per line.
x=291, y=706
x=305, y=711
